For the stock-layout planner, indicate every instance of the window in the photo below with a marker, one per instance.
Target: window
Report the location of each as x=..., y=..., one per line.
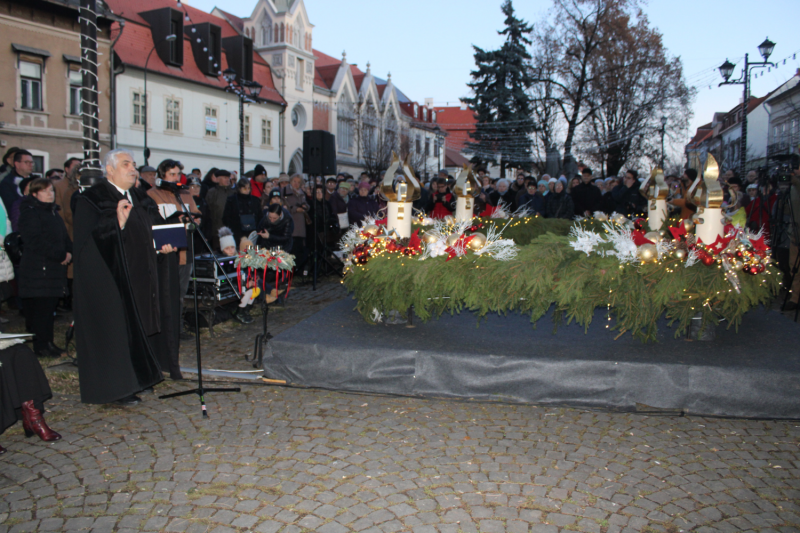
x=247, y=128
x=436, y=148
x=139, y=109
x=300, y=73
x=31, y=84
x=75, y=83
x=211, y=121
x=345, y=125
x=175, y=29
x=417, y=145
x=173, y=114
x=266, y=132
x=38, y=165
x=427, y=147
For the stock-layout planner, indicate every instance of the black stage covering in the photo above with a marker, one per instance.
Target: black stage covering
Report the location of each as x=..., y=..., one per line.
x=752, y=373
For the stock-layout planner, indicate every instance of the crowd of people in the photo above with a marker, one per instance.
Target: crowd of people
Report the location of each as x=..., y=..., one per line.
x=98, y=244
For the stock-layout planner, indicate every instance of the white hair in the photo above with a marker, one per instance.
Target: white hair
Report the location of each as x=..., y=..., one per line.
x=502, y=180
x=111, y=157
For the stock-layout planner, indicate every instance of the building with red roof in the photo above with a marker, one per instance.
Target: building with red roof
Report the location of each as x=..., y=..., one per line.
x=368, y=115
x=190, y=117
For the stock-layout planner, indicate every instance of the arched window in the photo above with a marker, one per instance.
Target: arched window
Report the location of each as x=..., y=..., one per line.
x=277, y=33
x=283, y=33
x=266, y=30
x=296, y=36
x=345, y=124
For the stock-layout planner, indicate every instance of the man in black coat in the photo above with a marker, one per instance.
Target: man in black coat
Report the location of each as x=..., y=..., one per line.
x=585, y=195
x=118, y=304
x=22, y=167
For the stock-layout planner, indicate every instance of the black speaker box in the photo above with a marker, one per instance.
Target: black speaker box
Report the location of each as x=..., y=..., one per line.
x=319, y=153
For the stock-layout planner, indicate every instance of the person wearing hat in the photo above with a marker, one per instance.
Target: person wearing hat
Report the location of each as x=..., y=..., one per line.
x=147, y=176
x=7, y=164
x=330, y=188
x=216, y=200
x=362, y=205
x=259, y=181
x=339, y=202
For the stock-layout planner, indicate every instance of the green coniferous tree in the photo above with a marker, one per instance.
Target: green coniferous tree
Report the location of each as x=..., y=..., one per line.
x=501, y=101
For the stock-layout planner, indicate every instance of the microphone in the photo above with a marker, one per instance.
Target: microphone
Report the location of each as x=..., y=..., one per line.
x=169, y=185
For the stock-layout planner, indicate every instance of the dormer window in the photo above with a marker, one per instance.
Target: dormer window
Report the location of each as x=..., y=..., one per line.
x=416, y=111
x=425, y=114
x=207, y=52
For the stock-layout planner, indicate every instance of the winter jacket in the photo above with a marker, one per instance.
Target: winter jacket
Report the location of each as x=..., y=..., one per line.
x=237, y=206
x=45, y=246
x=216, y=200
x=586, y=197
x=6, y=268
x=508, y=198
x=293, y=201
x=560, y=205
x=9, y=191
x=280, y=233
x=360, y=206
x=536, y=202
x=443, y=204
x=628, y=201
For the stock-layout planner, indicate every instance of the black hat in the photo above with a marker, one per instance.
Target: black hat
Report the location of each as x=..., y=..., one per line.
x=331, y=179
x=221, y=172
x=259, y=170
x=10, y=151
x=275, y=193
x=26, y=181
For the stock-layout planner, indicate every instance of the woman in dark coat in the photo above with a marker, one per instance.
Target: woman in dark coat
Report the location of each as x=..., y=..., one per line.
x=242, y=211
x=43, y=269
x=559, y=203
x=276, y=228
x=23, y=391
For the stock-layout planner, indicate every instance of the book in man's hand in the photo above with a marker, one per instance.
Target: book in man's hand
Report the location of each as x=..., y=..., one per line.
x=174, y=234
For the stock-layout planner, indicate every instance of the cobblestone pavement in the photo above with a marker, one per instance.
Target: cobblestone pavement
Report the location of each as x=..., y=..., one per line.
x=293, y=460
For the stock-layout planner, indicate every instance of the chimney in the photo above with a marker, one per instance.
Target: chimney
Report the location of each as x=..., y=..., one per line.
x=429, y=102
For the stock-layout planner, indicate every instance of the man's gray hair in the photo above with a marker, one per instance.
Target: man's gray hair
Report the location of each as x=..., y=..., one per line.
x=111, y=157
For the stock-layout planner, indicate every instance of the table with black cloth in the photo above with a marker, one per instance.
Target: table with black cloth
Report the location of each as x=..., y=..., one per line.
x=21, y=379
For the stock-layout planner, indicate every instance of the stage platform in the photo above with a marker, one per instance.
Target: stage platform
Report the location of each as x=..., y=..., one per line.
x=752, y=373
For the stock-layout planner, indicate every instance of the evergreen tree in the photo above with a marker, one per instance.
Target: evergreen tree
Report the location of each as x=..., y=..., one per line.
x=501, y=100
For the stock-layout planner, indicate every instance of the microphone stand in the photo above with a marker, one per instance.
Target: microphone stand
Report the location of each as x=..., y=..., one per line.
x=191, y=228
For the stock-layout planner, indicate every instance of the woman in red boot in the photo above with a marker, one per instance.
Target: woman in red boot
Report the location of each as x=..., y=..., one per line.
x=23, y=391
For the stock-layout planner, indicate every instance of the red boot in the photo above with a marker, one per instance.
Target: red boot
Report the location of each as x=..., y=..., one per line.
x=33, y=422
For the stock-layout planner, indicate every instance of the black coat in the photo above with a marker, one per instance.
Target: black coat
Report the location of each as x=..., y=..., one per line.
x=280, y=233
x=45, y=245
x=586, y=197
x=239, y=205
x=560, y=205
x=9, y=191
x=117, y=299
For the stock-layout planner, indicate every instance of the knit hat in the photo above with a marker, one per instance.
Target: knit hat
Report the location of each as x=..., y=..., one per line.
x=552, y=180
x=543, y=182
x=259, y=170
x=226, y=238
x=364, y=185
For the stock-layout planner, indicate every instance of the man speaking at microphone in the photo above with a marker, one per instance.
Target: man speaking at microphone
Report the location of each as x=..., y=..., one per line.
x=117, y=302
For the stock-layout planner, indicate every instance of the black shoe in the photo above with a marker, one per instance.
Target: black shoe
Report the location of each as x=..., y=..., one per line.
x=55, y=350
x=242, y=316
x=129, y=401
x=790, y=306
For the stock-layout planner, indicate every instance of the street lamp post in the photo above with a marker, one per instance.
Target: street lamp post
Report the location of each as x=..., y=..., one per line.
x=726, y=69
x=663, y=130
x=248, y=92
x=170, y=38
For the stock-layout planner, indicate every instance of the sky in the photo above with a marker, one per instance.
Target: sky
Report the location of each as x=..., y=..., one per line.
x=427, y=44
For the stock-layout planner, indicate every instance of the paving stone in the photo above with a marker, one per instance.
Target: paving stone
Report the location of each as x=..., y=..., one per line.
x=275, y=460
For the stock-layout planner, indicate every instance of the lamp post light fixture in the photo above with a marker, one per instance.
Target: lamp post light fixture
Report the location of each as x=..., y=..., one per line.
x=168, y=38
x=726, y=70
x=663, y=130
x=248, y=92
